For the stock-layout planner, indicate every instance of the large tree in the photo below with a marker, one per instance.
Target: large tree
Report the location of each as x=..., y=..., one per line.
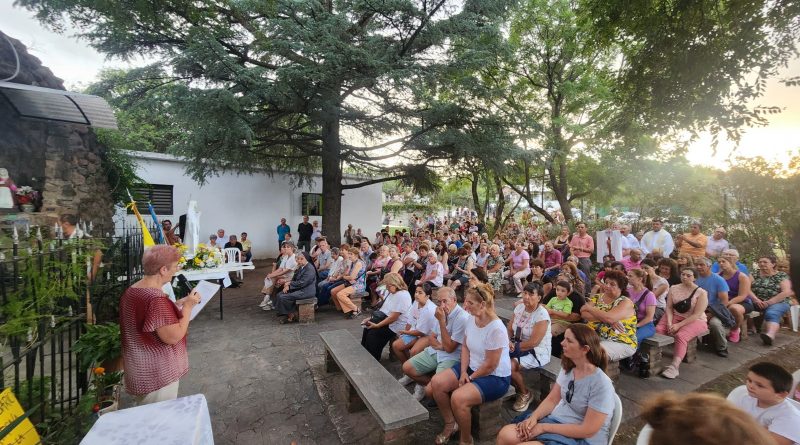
x=309, y=86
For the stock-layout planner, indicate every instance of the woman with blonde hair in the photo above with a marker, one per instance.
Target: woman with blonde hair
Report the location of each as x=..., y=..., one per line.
x=700, y=419
x=484, y=373
x=579, y=407
x=376, y=335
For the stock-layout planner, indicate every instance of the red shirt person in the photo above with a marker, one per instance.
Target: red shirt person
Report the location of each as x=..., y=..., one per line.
x=153, y=330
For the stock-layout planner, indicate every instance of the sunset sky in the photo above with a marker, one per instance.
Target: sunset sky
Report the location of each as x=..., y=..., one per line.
x=77, y=63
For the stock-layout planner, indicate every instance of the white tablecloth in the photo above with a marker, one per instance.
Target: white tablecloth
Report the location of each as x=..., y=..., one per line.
x=217, y=273
x=175, y=422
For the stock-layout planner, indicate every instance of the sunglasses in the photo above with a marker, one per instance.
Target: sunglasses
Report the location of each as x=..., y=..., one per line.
x=570, y=391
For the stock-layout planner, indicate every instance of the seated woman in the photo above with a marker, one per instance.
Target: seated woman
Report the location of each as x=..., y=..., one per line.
x=685, y=317
x=355, y=281
x=433, y=277
x=578, y=409
x=611, y=314
x=302, y=286
x=484, y=373
x=494, y=267
x=419, y=322
x=668, y=269
x=375, y=272
x=460, y=274
x=773, y=291
x=684, y=260
x=660, y=287
x=482, y=256
x=477, y=276
x=644, y=301
x=376, y=335
x=529, y=330
x=578, y=285
x=739, y=297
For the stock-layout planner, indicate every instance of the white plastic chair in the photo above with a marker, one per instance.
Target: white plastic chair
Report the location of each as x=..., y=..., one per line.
x=616, y=419
x=644, y=435
x=234, y=255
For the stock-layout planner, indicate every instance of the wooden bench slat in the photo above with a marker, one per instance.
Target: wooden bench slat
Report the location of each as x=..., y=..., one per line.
x=391, y=404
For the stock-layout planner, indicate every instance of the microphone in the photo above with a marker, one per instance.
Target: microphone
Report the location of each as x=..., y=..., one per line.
x=184, y=283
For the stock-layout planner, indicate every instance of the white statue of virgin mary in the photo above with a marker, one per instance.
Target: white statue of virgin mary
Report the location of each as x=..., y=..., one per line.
x=192, y=235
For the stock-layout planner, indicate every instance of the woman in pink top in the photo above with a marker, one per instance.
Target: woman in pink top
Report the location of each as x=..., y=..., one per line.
x=519, y=266
x=154, y=330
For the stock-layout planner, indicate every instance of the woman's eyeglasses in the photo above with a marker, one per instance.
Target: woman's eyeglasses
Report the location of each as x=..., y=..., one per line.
x=570, y=391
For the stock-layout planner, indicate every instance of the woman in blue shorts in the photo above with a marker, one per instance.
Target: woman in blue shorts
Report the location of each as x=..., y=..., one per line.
x=484, y=372
x=579, y=407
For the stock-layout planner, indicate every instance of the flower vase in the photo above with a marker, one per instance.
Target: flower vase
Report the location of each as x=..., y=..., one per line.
x=27, y=208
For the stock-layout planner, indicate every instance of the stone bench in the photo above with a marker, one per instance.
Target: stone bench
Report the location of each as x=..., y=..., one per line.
x=358, y=298
x=370, y=385
x=691, y=349
x=486, y=418
x=653, y=347
x=504, y=314
x=305, y=310
x=547, y=376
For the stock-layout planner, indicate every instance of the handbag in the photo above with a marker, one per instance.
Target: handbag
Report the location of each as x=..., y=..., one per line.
x=723, y=313
x=377, y=317
x=684, y=306
x=518, y=353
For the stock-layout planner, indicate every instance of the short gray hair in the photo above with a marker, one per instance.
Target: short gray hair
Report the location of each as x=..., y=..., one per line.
x=731, y=252
x=446, y=291
x=704, y=260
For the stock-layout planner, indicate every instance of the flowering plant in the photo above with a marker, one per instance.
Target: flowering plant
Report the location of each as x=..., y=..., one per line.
x=204, y=257
x=26, y=194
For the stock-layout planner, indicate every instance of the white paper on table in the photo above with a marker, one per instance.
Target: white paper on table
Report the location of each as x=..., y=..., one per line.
x=207, y=291
x=167, y=289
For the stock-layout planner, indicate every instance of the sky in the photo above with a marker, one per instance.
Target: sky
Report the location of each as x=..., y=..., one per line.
x=78, y=64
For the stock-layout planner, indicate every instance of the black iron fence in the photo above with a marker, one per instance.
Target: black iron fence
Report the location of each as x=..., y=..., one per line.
x=47, y=288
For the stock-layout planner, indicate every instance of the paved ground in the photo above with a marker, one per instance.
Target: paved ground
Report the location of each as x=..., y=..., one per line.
x=265, y=384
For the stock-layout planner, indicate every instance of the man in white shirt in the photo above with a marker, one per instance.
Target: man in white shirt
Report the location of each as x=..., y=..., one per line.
x=629, y=241
x=657, y=238
x=717, y=243
x=767, y=400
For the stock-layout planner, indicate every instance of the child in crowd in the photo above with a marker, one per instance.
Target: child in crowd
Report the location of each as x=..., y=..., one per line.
x=767, y=400
x=419, y=319
x=561, y=303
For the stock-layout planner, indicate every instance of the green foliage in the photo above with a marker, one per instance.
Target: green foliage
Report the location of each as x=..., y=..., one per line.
x=30, y=394
x=99, y=343
x=48, y=283
x=395, y=208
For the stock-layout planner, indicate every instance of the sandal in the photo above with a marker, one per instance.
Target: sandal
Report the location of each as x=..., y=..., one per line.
x=443, y=438
x=288, y=319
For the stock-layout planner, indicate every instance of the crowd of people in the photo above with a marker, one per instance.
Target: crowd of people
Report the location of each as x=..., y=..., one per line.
x=679, y=286
x=431, y=296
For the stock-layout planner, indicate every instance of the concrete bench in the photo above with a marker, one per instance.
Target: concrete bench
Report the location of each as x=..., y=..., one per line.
x=305, y=310
x=504, y=314
x=691, y=349
x=547, y=376
x=370, y=385
x=486, y=419
x=653, y=347
x=358, y=298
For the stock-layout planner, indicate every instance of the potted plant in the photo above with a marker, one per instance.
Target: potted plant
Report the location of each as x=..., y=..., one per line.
x=26, y=198
x=100, y=344
x=106, y=390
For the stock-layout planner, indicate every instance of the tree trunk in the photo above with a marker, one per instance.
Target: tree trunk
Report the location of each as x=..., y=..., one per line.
x=331, y=175
x=476, y=200
x=501, y=205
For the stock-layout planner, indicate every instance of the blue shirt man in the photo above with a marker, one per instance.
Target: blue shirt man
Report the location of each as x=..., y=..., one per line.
x=283, y=229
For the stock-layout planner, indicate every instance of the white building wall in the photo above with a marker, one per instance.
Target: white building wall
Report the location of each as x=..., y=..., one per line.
x=252, y=203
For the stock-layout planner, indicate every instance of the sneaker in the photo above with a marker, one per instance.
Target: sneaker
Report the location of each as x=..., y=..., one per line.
x=733, y=337
x=670, y=372
x=265, y=301
x=522, y=402
x=766, y=339
x=268, y=307
x=419, y=392
x=405, y=380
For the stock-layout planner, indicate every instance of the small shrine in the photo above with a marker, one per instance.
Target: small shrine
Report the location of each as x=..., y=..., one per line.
x=47, y=167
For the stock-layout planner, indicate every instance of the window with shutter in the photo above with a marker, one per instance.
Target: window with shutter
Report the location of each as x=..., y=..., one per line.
x=157, y=194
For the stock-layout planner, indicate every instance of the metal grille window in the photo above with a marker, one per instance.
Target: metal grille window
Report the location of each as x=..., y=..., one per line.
x=157, y=194
x=311, y=203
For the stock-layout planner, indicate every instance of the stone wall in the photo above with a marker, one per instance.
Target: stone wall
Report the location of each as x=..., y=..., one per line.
x=61, y=160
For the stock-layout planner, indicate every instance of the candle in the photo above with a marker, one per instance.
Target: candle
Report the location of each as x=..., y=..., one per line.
x=15, y=235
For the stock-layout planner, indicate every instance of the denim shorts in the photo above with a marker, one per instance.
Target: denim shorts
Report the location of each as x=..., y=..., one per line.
x=407, y=339
x=491, y=387
x=775, y=312
x=552, y=438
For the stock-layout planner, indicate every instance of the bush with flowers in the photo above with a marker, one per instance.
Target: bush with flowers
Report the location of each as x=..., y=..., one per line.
x=204, y=257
